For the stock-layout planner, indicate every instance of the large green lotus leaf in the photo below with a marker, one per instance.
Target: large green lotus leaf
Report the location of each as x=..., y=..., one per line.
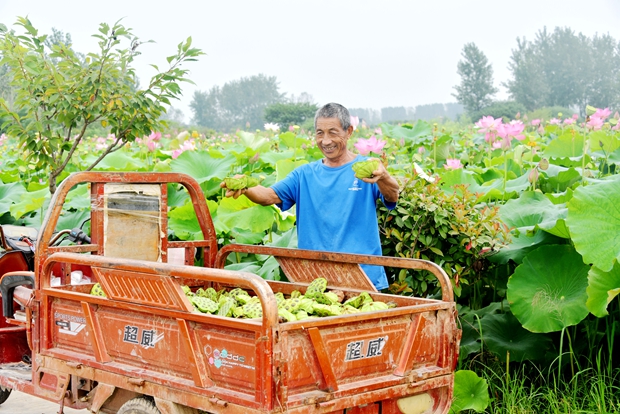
x=201, y=166
x=244, y=214
x=614, y=157
x=272, y=157
x=560, y=182
x=505, y=337
x=291, y=140
x=9, y=194
x=121, y=161
x=183, y=222
x=254, y=141
x=470, y=339
x=78, y=198
x=594, y=222
x=566, y=145
x=603, y=287
x=80, y=218
x=459, y=176
x=470, y=392
x=31, y=201
x=495, y=190
x=547, y=292
x=534, y=209
x=601, y=140
x=419, y=131
x=246, y=236
x=522, y=244
x=284, y=167
x=560, y=198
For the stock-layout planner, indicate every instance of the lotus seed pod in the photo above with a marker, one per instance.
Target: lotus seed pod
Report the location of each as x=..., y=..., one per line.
x=242, y=298
x=295, y=294
x=226, y=306
x=364, y=169
x=355, y=301
x=97, y=290
x=203, y=304
x=322, y=298
x=186, y=289
x=253, y=310
x=211, y=294
x=301, y=315
x=332, y=297
x=373, y=306
x=318, y=285
x=348, y=309
x=238, y=312
x=291, y=305
x=306, y=304
x=279, y=297
x=322, y=310
x=236, y=183
x=286, y=315
x=236, y=292
x=366, y=298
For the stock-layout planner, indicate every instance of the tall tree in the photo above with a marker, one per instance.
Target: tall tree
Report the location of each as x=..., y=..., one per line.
x=237, y=103
x=476, y=89
x=59, y=96
x=566, y=69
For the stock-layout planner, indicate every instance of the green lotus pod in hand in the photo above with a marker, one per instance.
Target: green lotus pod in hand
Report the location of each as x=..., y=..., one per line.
x=364, y=169
x=239, y=183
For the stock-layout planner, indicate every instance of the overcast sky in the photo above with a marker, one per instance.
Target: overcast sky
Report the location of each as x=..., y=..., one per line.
x=361, y=53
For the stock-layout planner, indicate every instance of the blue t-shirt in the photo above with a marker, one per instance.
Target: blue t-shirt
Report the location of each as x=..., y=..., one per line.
x=335, y=211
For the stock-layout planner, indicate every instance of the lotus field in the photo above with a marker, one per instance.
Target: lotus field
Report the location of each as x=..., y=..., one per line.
x=522, y=214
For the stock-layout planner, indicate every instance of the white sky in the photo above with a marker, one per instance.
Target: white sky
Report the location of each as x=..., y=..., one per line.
x=360, y=53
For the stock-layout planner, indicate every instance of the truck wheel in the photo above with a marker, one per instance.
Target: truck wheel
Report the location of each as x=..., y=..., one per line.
x=139, y=405
x=4, y=394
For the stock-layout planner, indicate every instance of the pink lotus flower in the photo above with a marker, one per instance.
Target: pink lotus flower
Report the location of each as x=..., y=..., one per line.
x=372, y=144
x=554, y=121
x=421, y=150
x=453, y=164
x=535, y=122
x=595, y=123
x=569, y=121
x=488, y=126
x=155, y=136
x=575, y=116
x=355, y=121
x=378, y=131
x=3, y=138
x=602, y=113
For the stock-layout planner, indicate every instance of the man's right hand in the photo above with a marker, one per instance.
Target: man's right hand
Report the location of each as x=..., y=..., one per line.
x=233, y=193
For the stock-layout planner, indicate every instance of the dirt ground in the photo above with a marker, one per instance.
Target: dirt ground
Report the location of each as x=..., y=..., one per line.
x=20, y=403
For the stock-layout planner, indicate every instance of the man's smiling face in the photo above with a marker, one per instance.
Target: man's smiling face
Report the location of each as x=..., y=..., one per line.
x=332, y=141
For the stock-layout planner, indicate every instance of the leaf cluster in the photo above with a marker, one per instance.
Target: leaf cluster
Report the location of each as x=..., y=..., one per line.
x=447, y=228
x=60, y=93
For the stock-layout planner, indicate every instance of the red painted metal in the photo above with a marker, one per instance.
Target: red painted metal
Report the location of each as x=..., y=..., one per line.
x=145, y=339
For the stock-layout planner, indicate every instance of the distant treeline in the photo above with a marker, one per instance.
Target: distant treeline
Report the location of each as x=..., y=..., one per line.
x=400, y=113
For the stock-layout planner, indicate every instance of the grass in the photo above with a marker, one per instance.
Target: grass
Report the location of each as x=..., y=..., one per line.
x=527, y=390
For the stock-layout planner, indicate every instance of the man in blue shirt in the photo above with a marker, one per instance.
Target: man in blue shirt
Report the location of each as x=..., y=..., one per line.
x=335, y=210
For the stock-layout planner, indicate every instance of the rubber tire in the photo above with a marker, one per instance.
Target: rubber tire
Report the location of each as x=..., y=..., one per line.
x=139, y=405
x=4, y=394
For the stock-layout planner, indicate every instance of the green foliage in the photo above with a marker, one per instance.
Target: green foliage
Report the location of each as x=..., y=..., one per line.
x=60, y=95
x=565, y=69
x=549, y=112
x=236, y=104
x=506, y=110
x=286, y=114
x=476, y=87
x=448, y=229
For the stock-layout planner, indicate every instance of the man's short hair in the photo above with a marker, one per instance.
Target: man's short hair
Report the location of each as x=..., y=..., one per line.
x=334, y=110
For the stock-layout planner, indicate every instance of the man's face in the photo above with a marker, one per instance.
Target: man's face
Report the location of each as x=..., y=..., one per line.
x=332, y=140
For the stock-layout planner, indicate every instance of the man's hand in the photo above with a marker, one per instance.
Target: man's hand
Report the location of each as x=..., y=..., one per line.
x=379, y=174
x=388, y=186
x=233, y=193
